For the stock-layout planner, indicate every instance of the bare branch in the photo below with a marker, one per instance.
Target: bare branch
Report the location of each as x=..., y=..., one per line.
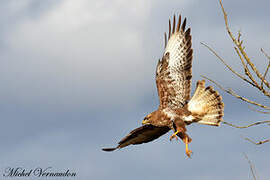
x=259, y=111
x=251, y=76
x=247, y=126
x=238, y=44
x=251, y=166
x=247, y=72
x=229, y=67
x=259, y=142
x=231, y=92
x=254, y=68
x=226, y=23
x=265, y=73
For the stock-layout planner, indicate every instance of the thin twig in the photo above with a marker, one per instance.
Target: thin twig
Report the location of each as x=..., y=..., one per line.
x=259, y=111
x=231, y=92
x=226, y=23
x=250, y=70
x=259, y=142
x=238, y=43
x=229, y=67
x=247, y=71
x=251, y=166
x=254, y=69
x=267, y=68
x=247, y=126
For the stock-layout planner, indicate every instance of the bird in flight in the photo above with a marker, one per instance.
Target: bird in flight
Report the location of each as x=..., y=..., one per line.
x=176, y=108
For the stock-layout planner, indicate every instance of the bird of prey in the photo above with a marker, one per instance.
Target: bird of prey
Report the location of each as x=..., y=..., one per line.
x=176, y=109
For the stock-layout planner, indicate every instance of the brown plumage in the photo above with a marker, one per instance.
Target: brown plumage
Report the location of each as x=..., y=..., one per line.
x=141, y=135
x=173, y=80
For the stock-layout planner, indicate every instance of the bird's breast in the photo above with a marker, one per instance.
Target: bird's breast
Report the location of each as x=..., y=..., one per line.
x=169, y=113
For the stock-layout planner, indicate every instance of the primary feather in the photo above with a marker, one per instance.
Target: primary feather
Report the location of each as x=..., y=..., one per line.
x=173, y=74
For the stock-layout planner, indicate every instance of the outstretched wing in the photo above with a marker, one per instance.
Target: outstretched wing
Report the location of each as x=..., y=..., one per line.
x=173, y=73
x=140, y=135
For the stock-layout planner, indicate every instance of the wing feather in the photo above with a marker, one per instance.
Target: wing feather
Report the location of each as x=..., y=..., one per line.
x=140, y=135
x=173, y=74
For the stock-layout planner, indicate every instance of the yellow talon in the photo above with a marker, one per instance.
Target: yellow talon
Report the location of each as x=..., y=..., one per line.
x=188, y=152
x=174, y=135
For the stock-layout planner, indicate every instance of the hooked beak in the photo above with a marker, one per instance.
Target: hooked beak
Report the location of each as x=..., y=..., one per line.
x=145, y=122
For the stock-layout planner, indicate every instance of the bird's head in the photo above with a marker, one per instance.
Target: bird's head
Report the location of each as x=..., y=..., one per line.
x=147, y=119
x=150, y=118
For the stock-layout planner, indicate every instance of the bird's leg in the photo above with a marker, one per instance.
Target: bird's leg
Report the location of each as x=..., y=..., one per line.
x=179, y=131
x=187, y=140
x=179, y=127
x=174, y=135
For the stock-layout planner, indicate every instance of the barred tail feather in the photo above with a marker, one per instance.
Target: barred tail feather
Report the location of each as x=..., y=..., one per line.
x=206, y=105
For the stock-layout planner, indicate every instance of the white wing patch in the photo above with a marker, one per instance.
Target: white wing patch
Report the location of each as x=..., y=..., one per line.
x=178, y=73
x=189, y=118
x=173, y=47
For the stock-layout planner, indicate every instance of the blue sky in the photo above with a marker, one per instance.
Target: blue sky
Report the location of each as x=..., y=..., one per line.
x=77, y=76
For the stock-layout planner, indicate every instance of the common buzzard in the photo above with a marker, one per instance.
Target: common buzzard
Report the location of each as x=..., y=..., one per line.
x=177, y=109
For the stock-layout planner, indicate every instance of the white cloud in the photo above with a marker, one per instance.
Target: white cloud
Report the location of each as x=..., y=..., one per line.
x=102, y=54
x=98, y=50
x=92, y=45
